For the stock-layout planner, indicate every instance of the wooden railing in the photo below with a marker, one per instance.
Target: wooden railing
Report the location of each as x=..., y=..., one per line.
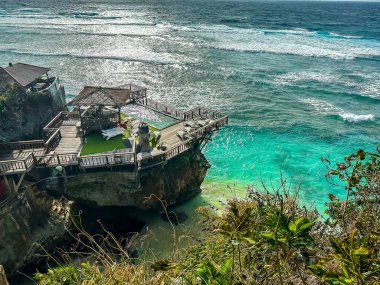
x=179, y=148
x=161, y=108
x=193, y=136
x=53, y=140
x=52, y=132
x=56, y=122
x=105, y=160
x=209, y=128
x=204, y=113
x=17, y=166
x=136, y=90
x=20, y=145
x=53, y=160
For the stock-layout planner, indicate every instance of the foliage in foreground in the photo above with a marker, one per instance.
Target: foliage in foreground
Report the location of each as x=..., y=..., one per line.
x=267, y=238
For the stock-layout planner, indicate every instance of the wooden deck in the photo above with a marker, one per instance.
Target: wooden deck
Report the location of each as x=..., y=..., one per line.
x=19, y=165
x=63, y=144
x=70, y=141
x=21, y=154
x=169, y=135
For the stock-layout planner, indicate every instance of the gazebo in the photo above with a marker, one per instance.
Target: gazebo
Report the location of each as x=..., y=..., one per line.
x=92, y=102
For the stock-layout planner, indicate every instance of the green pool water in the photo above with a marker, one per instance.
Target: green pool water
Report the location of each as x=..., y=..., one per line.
x=95, y=143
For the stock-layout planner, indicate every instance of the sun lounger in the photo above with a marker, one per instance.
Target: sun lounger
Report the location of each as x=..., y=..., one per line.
x=190, y=124
x=181, y=135
x=110, y=133
x=203, y=123
x=187, y=129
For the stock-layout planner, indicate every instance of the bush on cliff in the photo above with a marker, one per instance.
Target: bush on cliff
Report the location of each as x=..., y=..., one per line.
x=267, y=238
x=14, y=95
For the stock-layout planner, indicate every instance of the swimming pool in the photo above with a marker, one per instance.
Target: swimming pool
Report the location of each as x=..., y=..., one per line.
x=151, y=117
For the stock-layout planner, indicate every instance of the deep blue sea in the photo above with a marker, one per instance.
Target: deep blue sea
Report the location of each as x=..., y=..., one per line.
x=300, y=80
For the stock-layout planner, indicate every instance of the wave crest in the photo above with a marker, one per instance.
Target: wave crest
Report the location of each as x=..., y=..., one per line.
x=353, y=118
x=327, y=108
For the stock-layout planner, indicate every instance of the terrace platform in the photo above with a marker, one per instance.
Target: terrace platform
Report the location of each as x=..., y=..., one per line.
x=98, y=108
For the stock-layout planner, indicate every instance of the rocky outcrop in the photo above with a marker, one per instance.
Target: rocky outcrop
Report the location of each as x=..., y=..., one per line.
x=28, y=221
x=25, y=118
x=173, y=182
x=37, y=218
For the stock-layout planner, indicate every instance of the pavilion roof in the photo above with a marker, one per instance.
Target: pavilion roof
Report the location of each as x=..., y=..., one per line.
x=24, y=74
x=97, y=95
x=5, y=78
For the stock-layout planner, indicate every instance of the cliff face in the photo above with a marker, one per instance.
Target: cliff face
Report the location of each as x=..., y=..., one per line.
x=38, y=218
x=28, y=219
x=25, y=114
x=174, y=182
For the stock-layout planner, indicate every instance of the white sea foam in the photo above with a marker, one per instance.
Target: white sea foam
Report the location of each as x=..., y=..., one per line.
x=283, y=41
x=327, y=108
x=132, y=54
x=345, y=36
x=291, y=42
x=368, y=86
x=353, y=118
x=371, y=86
x=296, y=77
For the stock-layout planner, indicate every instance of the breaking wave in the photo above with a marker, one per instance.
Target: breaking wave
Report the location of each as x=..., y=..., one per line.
x=289, y=42
x=327, y=108
x=353, y=118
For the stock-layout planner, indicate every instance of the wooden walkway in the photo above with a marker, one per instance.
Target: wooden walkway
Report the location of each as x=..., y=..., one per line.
x=21, y=154
x=70, y=141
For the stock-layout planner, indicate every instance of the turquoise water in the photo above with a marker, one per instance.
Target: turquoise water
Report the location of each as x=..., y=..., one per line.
x=298, y=79
x=155, y=119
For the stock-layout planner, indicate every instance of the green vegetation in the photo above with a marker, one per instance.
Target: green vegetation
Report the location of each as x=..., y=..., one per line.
x=95, y=143
x=14, y=94
x=267, y=238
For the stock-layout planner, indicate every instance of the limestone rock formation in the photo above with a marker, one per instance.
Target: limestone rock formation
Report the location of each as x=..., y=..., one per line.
x=174, y=182
x=28, y=220
x=26, y=115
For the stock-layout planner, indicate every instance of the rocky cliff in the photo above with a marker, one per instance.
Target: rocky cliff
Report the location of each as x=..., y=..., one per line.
x=175, y=181
x=36, y=217
x=28, y=220
x=23, y=114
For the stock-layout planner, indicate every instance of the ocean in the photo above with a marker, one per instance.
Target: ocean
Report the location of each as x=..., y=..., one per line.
x=300, y=80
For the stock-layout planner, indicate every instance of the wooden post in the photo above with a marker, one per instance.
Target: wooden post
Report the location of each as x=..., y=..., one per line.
x=64, y=173
x=7, y=185
x=34, y=159
x=119, y=113
x=80, y=117
x=19, y=182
